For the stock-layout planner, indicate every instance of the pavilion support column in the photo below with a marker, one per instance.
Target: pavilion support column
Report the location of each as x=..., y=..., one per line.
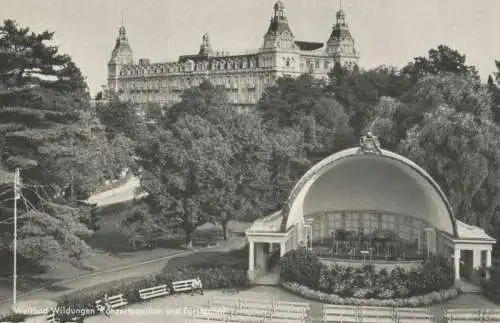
x=326, y=222
x=321, y=228
x=251, y=256
x=488, y=262
x=456, y=259
x=282, y=249
x=476, y=258
x=419, y=249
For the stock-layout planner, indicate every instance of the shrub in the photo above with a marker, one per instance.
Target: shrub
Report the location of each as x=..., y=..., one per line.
x=305, y=268
x=302, y=266
x=491, y=285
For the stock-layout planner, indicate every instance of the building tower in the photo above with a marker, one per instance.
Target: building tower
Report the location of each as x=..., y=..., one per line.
x=205, y=47
x=120, y=56
x=279, y=35
x=341, y=44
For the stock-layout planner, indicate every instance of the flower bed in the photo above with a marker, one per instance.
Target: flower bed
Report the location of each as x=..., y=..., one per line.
x=366, y=282
x=415, y=301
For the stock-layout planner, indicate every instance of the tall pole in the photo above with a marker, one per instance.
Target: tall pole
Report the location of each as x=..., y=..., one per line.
x=16, y=196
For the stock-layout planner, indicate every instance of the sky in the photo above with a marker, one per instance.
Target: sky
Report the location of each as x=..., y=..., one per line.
x=386, y=32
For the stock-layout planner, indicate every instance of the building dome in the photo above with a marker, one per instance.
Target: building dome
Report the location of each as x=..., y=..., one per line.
x=353, y=180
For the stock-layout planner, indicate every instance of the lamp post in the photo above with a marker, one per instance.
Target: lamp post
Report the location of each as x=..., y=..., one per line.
x=16, y=197
x=309, y=222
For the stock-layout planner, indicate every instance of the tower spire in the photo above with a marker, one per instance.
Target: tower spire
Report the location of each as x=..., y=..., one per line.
x=279, y=33
x=341, y=44
x=123, y=19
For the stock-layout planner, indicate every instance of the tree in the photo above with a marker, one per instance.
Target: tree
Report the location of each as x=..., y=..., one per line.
x=121, y=118
x=303, y=104
x=440, y=60
x=460, y=150
x=183, y=165
x=390, y=121
x=495, y=93
x=205, y=100
x=359, y=91
x=243, y=192
x=154, y=112
x=287, y=164
x=217, y=159
x=462, y=93
x=46, y=130
x=86, y=158
x=287, y=102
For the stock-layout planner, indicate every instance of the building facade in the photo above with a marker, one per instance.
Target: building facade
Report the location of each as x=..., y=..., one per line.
x=245, y=76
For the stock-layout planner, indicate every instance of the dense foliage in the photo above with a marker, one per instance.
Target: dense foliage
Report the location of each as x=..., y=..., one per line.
x=304, y=267
x=203, y=163
x=48, y=131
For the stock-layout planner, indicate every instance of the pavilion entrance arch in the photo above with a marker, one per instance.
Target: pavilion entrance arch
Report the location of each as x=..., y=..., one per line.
x=376, y=190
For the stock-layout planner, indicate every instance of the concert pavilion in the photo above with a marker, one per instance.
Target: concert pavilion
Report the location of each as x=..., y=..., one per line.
x=368, y=204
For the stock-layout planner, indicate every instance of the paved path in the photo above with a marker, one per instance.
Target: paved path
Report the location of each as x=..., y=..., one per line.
x=125, y=192
x=136, y=270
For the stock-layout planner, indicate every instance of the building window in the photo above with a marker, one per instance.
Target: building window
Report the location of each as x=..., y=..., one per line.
x=317, y=63
x=326, y=65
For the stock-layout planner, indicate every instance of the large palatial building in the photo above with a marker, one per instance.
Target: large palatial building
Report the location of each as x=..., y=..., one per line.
x=245, y=76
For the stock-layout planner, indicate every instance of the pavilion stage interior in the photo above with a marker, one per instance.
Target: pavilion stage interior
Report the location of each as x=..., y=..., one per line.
x=369, y=236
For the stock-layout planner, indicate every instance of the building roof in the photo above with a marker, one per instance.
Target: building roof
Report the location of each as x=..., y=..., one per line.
x=340, y=32
x=471, y=232
x=309, y=46
x=278, y=26
x=270, y=223
x=121, y=45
